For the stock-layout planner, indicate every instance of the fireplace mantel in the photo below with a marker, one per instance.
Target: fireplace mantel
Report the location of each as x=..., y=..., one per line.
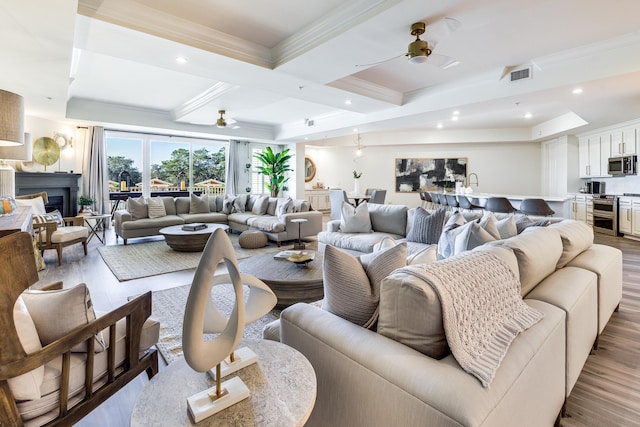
x=65, y=185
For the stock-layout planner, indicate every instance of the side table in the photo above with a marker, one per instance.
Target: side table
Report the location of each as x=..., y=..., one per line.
x=99, y=224
x=299, y=245
x=282, y=387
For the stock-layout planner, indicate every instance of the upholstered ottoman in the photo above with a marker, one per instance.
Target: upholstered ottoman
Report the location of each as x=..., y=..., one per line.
x=252, y=239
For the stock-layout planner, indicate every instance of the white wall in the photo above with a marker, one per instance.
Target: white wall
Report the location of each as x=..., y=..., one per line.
x=39, y=127
x=502, y=168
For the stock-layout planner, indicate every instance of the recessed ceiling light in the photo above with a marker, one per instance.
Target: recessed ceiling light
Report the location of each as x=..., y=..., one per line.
x=528, y=115
x=181, y=60
x=355, y=129
x=439, y=125
x=454, y=118
x=577, y=91
x=347, y=102
x=456, y=113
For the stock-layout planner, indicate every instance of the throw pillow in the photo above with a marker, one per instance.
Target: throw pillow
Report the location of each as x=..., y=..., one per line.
x=56, y=313
x=198, y=205
x=507, y=227
x=27, y=385
x=427, y=255
x=7, y=205
x=284, y=206
x=227, y=204
x=138, y=208
x=54, y=216
x=488, y=222
x=260, y=205
x=352, y=286
x=450, y=230
x=470, y=236
x=525, y=222
x=240, y=203
x=156, y=207
x=426, y=228
x=37, y=205
x=355, y=219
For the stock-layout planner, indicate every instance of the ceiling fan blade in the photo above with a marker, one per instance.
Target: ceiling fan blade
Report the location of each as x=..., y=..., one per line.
x=380, y=62
x=442, y=61
x=441, y=29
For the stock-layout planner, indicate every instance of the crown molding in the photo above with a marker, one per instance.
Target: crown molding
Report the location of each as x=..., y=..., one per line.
x=368, y=89
x=152, y=21
x=341, y=19
x=202, y=99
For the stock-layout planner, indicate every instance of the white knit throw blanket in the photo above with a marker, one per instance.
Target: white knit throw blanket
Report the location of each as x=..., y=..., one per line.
x=482, y=309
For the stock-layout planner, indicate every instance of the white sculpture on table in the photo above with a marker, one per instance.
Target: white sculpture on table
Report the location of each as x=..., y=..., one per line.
x=201, y=316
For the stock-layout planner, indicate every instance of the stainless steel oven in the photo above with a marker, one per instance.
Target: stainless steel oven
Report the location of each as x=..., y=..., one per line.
x=605, y=214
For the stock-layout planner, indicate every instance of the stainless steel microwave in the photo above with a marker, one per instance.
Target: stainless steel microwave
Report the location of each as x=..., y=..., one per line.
x=624, y=165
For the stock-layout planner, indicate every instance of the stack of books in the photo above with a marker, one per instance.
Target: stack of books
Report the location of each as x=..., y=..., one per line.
x=194, y=227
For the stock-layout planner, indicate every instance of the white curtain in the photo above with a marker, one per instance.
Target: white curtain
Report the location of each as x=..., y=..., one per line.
x=94, y=169
x=231, y=185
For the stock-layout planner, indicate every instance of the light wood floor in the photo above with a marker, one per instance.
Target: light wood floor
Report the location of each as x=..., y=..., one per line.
x=607, y=392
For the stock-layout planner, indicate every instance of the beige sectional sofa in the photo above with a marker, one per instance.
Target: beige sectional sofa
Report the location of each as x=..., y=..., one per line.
x=366, y=378
x=239, y=212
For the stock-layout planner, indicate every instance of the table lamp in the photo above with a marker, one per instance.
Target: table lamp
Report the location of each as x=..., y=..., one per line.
x=11, y=135
x=201, y=316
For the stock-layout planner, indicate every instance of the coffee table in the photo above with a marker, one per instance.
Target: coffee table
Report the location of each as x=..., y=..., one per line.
x=290, y=282
x=282, y=387
x=189, y=241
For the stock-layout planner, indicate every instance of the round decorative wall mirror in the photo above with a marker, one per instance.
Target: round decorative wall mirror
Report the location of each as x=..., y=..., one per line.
x=309, y=169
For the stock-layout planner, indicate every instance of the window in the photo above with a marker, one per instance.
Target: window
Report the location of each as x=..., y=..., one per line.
x=257, y=179
x=159, y=163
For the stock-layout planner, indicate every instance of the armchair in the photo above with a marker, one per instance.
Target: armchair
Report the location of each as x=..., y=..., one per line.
x=52, y=235
x=85, y=377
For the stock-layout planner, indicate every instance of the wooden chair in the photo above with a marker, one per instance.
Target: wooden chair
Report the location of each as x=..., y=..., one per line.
x=50, y=235
x=18, y=272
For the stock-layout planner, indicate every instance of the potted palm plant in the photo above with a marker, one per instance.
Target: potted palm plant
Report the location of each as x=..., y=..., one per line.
x=274, y=166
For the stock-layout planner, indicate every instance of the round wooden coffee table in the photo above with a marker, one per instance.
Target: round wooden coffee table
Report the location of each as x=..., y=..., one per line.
x=290, y=282
x=189, y=241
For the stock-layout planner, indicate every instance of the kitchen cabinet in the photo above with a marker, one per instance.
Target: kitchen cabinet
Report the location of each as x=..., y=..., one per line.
x=582, y=208
x=635, y=217
x=624, y=215
x=319, y=199
x=591, y=161
x=623, y=142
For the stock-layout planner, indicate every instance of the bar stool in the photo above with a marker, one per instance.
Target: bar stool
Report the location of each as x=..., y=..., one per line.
x=467, y=204
x=443, y=200
x=535, y=207
x=452, y=201
x=426, y=200
x=499, y=204
x=435, y=200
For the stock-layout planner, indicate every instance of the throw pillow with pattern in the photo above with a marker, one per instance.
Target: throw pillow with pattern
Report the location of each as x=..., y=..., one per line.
x=156, y=207
x=427, y=227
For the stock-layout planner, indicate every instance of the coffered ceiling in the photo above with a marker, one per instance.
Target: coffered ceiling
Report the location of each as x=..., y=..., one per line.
x=285, y=69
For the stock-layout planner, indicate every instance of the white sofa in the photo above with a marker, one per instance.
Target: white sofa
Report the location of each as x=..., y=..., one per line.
x=367, y=379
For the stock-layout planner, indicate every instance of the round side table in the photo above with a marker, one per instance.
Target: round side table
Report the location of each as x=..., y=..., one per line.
x=282, y=387
x=299, y=245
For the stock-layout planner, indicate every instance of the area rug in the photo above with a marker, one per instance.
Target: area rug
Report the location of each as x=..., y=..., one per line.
x=136, y=260
x=168, y=309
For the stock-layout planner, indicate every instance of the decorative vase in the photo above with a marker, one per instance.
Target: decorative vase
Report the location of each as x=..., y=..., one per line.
x=356, y=186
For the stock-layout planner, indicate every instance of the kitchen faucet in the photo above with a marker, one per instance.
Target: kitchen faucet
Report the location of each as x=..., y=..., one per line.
x=469, y=183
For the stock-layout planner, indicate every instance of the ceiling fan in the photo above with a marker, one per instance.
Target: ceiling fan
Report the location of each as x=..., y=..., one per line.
x=420, y=51
x=222, y=122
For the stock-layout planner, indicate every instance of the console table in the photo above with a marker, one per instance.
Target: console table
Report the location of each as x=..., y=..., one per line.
x=282, y=387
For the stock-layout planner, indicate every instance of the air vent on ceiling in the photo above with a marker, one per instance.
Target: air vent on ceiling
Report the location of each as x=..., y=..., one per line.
x=522, y=74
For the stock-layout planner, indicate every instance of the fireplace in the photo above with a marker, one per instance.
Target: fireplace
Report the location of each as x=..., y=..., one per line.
x=61, y=188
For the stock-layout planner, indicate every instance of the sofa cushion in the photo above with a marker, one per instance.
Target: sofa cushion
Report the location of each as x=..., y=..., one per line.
x=241, y=218
x=352, y=285
x=155, y=223
x=27, y=385
x=215, y=203
x=284, y=206
x=301, y=205
x=198, y=204
x=227, y=204
x=360, y=242
x=68, y=234
x=507, y=227
x=410, y=313
x=211, y=217
x=355, y=219
x=470, y=236
x=169, y=205
x=488, y=222
x=156, y=207
x=576, y=237
x=56, y=313
x=260, y=205
x=138, y=208
x=271, y=206
x=426, y=227
x=270, y=224
x=388, y=218
x=240, y=203
x=538, y=250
